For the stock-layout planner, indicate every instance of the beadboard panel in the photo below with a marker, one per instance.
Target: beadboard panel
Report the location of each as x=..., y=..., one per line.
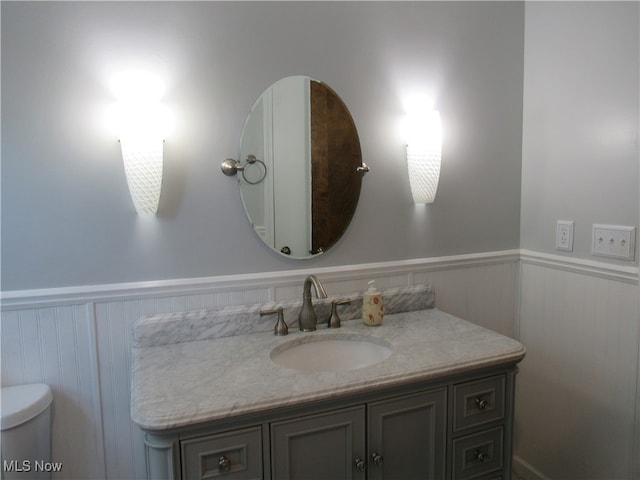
x=123, y=441
x=486, y=296
x=576, y=392
x=56, y=346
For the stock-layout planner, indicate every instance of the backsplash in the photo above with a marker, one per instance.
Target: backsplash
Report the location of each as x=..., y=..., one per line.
x=164, y=329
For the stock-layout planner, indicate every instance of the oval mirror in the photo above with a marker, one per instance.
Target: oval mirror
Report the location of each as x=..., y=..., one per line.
x=302, y=167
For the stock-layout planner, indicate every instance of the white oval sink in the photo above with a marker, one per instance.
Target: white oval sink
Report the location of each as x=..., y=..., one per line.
x=331, y=353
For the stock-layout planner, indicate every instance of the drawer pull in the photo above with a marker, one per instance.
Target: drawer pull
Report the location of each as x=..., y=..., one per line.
x=482, y=404
x=361, y=465
x=224, y=463
x=480, y=456
x=377, y=459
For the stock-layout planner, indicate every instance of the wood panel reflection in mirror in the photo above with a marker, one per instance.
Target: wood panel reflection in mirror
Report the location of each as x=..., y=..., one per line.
x=301, y=167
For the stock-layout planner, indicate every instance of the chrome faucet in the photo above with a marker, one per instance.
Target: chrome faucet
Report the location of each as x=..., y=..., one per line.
x=307, y=319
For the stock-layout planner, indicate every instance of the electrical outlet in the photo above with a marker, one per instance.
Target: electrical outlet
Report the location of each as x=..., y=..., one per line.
x=614, y=241
x=564, y=235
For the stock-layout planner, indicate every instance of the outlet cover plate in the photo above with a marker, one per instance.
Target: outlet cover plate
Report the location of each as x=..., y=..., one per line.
x=614, y=241
x=564, y=235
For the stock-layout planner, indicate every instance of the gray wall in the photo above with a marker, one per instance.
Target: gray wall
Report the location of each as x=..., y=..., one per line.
x=580, y=123
x=66, y=214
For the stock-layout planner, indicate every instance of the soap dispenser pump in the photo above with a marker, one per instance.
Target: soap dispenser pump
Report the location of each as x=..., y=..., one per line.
x=372, y=306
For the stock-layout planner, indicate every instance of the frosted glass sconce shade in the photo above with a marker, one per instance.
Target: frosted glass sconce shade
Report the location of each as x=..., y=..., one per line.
x=141, y=122
x=424, y=152
x=143, y=167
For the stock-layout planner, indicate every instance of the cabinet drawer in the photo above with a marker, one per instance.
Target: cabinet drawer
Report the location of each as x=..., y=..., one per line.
x=234, y=454
x=478, y=454
x=478, y=402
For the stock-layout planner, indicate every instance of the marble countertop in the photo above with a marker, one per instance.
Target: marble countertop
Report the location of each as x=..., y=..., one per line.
x=183, y=384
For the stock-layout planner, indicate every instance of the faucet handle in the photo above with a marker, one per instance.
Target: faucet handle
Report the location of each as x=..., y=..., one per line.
x=281, y=326
x=334, y=319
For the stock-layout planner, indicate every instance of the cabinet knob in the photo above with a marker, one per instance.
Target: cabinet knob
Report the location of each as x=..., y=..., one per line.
x=377, y=459
x=361, y=465
x=482, y=404
x=224, y=463
x=481, y=456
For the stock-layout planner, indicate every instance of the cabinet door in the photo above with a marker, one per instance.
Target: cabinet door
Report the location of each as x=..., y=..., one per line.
x=322, y=446
x=407, y=437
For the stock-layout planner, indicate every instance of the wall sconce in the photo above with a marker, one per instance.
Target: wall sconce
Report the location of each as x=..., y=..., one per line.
x=141, y=123
x=424, y=151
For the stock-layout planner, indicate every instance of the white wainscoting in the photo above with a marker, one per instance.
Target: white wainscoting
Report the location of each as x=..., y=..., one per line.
x=57, y=346
x=576, y=392
x=78, y=339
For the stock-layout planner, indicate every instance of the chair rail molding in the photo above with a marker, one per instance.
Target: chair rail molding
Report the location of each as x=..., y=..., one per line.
x=17, y=299
x=611, y=271
x=74, y=295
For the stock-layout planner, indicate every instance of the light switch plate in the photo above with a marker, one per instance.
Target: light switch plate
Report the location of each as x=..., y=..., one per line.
x=614, y=241
x=564, y=235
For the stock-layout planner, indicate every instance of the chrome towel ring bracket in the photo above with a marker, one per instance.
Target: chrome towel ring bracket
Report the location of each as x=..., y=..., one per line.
x=363, y=169
x=231, y=167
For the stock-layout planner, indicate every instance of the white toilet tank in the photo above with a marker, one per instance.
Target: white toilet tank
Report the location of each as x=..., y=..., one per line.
x=25, y=416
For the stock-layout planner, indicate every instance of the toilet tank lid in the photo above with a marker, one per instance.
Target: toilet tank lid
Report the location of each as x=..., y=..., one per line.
x=21, y=403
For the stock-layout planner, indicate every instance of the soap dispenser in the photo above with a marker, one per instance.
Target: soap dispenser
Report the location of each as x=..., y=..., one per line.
x=372, y=306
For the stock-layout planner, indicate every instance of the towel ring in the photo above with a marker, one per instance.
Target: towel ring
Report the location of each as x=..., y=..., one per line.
x=231, y=167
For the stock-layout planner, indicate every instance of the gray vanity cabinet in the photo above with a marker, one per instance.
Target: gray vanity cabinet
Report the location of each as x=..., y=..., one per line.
x=455, y=429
